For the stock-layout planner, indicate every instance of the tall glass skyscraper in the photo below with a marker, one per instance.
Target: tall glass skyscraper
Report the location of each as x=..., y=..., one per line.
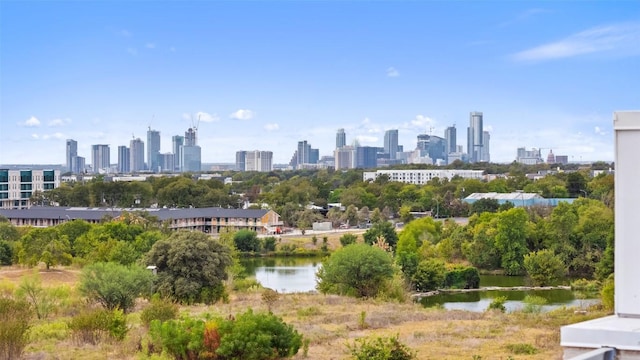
x=72, y=152
x=124, y=160
x=391, y=143
x=100, y=157
x=341, y=138
x=136, y=150
x=153, y=150
x=475, y=137
x=177, y=142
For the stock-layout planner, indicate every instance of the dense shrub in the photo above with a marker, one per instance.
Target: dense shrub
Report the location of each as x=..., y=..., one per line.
x=6, y=253
x=15, y=316
x=269, y=244
x=255, y=336
x=607, y=292
x=115, y=286
x=159, y=309
x=358, y=270
x=544, y=267
x=522, y=349
x=381, y=348
x=348, y=239
x=94, y=326
x=498, y=303
x=258, y=336
x=533, y=304
x=246, y=241
x=462, y=277
x=430, y=275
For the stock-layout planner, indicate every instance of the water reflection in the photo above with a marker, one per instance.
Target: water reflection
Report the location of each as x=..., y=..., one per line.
x=286, y=275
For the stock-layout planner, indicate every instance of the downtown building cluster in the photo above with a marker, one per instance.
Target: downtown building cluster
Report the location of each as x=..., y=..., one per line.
x=186, y=156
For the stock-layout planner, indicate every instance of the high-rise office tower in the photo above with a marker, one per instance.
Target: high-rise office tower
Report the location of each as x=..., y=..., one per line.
x=341, y=138
x=190, y=154
x=486, y=139
x=72, y=151
x=177, y=142
x=366, y=157
x=345, y=158
x=153, y=149
x=100, y=158
x=258, y=160
x=304, y=150
x=391, y=143
x=474, y=137
x=191, y=137
x=124, y=160
x=167, y=162
x=136, y=150
x=241, y=160
x=451, y=139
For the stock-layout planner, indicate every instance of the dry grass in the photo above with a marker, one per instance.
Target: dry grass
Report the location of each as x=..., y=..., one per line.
x=330, y=322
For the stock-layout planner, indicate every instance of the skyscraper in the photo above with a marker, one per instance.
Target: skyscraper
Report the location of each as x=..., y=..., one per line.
x=341, y=138
x=258, y=160
x=191, y=158
x=136, y=150
x=100, y=158
x=474, y=137
x=72, y=151
x=391, y=143
x=304, y=150
x=451, y=139
x=153, y=149
x=366, y=157
x=177, y=142
x=191, y=137
x=124, y=160
x=241, y=160
x=486, y=139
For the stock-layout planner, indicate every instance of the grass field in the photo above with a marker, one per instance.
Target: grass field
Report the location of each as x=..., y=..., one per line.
x=329, y=322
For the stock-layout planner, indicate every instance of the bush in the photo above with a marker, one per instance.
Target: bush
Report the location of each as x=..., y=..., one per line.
x=246, y=241
x=462, y=277
x=358, y=270
x=607, y=293
x=159, y=309
x=15, y=316
x=533, y=304
x=587, y=286
x=6, y=253
x=115, y=286
x=269, y=244
x=430, y=275
x=93, y=326
x=544, y=267
x=246, y=284
x=381, y=348
x=258, y=336
x=348, y=239
x=498, y=303
x=181, y=339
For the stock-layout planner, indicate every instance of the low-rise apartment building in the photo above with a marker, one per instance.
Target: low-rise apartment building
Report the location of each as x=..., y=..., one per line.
x=17, y=186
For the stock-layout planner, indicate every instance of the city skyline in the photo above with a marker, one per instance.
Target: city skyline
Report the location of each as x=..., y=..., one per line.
x=103, y=73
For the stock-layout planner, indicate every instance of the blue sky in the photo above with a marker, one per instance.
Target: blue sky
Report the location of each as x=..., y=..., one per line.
x=264, y=75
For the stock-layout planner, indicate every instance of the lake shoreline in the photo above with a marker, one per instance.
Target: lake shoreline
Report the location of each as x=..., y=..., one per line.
x=488, y=288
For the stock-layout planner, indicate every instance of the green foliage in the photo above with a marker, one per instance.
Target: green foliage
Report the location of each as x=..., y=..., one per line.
x=430, y=275
x=544, y=267
x=462, y=277
x=380, y=348
x=181, y=339
x=246, y=284
x=6, y=253
x=115, y=286
x=498, y=303
x=410, y=239
x=15, y=317
x=159, y=309
x=348, y=239
x=384, y=229
x=42, y=300
x=485, y=205
x=191, y=267
x=607, y=293
x=533, y=304
x=247, y=241
x=44, y=245
x=257, y=336
x=511, y=240
x=269, y=243
x=94, y=326
x=357, y=270
x=585, y=285
x=270, y=297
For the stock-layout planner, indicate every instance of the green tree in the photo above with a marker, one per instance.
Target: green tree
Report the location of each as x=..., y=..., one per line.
x=348, y=239
x=190, y=266
x=115, y=286
x=384, y=229
x=544, y=267
x=484, y=205
x=44, y=245
x=6, y=253
x=410, y=240
x=358, y=270
x=430, y=275
x=246, y=241
x=511, y=239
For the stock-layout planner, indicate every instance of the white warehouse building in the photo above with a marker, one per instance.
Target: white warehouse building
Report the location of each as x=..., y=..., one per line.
x=421, y=177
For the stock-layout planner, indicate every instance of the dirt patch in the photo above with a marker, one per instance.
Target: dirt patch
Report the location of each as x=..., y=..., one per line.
x=51, y=277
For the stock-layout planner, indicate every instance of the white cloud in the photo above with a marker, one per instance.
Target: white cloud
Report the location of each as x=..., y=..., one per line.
x=621, y=39
x=524, y=16
x=31, y=122
x=272, y=127
x=392, y=72
x=59, y=122
x=366, y=139
x=206, y=117
x=35, y=136
x=421, y=122
x=599, y=131
x=242, y=114
x=132, y=51
x=54, y=136
x=150, y=46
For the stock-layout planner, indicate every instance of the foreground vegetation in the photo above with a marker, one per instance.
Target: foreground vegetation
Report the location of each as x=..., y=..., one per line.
x=329, y=325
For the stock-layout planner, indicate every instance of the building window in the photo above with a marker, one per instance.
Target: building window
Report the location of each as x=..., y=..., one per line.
x=25, y=176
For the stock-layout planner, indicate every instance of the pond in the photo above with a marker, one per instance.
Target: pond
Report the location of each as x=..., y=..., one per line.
x=289, y=275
